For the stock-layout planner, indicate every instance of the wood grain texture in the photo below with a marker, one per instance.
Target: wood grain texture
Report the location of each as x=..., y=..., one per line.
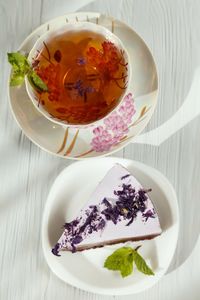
x=171, y=29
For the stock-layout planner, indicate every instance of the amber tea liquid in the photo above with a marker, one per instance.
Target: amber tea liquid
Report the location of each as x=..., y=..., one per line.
x=86, y=76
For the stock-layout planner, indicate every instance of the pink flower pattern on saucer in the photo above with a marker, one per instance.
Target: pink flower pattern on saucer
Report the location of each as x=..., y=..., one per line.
x=115, y=126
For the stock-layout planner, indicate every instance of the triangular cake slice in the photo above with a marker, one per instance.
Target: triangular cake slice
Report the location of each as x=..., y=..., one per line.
x=119, y=210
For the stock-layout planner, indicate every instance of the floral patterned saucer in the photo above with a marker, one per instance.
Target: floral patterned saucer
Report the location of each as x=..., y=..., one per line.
x=118, y=128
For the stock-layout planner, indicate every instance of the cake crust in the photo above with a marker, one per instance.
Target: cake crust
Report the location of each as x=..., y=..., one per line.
x=113, y=242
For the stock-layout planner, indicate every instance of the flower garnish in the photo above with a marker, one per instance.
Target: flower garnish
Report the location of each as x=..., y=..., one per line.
x=149, y=214
x=83, y=90
x=57, y=56
x=81, y=61
x=107, y=61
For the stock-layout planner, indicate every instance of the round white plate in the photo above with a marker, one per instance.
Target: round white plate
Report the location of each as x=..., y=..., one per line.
x=101, y=139
x=85, y=269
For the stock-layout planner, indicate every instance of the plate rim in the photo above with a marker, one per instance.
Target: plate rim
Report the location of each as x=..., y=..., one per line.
x=103, y=154
x=75, y=282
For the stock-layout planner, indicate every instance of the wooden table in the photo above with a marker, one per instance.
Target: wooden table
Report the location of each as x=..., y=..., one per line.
x=171, y=28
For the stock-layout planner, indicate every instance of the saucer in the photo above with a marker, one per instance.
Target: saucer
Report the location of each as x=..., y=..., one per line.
x=66, y=198
x=113, y=132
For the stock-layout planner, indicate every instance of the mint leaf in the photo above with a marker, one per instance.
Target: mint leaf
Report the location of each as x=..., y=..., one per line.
x=37, y=82
x=19, y=62
x=20, y=68
x=141, y=264
x=16, y=79
x=127, y=267
x=121, y=260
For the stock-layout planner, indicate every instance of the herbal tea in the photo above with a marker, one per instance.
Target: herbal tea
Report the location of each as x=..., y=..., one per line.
x=86, y=76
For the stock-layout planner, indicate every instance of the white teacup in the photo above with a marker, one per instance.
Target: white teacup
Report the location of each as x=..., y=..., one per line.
x=69, y=27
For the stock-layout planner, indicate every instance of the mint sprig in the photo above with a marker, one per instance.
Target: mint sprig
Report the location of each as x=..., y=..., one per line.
x=20, y=68
x=123, y=259
x=37, y=82
x=141, y=264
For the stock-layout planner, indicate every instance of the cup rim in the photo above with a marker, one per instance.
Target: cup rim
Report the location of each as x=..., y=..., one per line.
x=80, y=24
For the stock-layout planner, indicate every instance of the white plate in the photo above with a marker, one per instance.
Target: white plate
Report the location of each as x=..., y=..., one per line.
x=76, y=143
x=85, y=270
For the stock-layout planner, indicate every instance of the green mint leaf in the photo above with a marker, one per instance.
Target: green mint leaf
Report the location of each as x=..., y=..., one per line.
x=20, y=68
x=121, y=260
x=141, y=264
x=127, y=267
x=19, y=62
x=37, y=82
x=16, y=79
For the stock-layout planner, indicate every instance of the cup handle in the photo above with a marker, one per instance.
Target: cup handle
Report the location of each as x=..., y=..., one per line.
x=189, y=110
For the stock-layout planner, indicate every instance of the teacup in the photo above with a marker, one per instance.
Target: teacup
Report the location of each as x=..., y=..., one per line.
x=86, y=70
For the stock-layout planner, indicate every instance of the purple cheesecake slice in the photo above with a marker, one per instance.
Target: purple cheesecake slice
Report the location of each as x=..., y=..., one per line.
x=119, y=210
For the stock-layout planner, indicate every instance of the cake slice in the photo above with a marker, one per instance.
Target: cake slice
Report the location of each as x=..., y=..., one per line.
x=119, y=210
